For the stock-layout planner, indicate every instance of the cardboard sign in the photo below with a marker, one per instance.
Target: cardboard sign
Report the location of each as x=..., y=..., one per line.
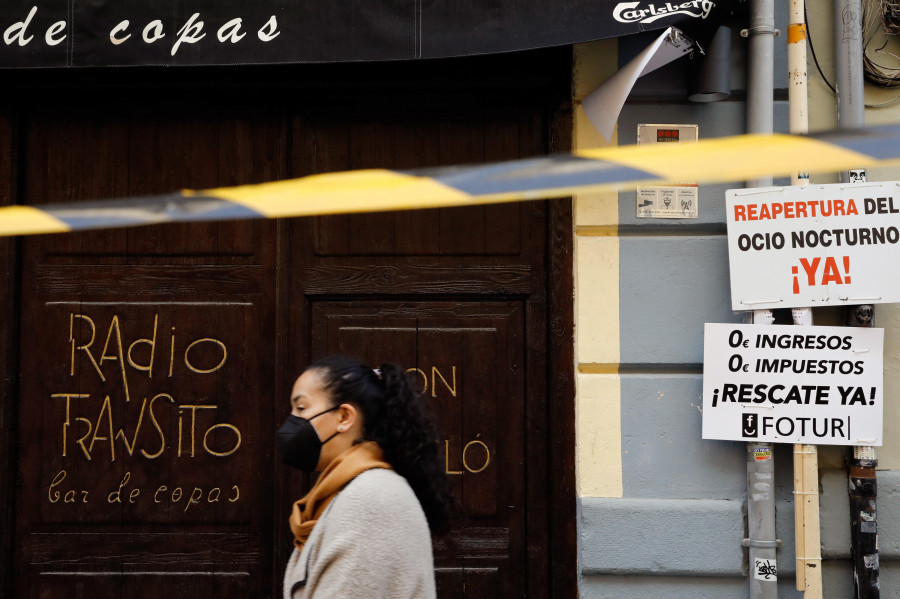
x=793, y=384
x=820, y=245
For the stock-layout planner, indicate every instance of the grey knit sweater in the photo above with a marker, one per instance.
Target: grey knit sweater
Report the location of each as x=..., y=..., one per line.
x=372, y=542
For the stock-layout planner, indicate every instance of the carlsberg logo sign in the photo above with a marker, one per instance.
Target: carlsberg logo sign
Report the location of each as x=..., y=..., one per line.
x=628, y=12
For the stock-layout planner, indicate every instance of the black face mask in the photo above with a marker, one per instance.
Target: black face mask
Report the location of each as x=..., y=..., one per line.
x=299, y=443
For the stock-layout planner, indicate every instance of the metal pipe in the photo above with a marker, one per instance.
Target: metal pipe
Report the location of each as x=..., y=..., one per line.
x=863, y=488
x=761, y=540
x=806, y=502
x=798, y=80
x=806, y=457
x=863, y=496
x=761, y=71
x=761, y=508
x=849, y=65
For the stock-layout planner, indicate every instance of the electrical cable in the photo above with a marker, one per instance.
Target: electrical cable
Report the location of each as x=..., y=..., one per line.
x=813, y=50
x=890, y=16
x=887, y=14
x=890, y=20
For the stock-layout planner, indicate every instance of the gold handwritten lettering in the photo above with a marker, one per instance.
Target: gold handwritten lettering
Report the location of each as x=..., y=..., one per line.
x=105, y=408
x=162, y=435
x=68, y=397
x=118, y=493
x=424, y=379
x=225, y=453
x=172, y=353
x=52, y=495
x=447, y=459
x=187, y=362
x=120, y=357
x=205, y=354
x=197, y=497
x=196, y=494
x=436, y=374
x=487, y=458
x=465, y=459
x=84, y=347
x=80, y=441
x=129, y=447
x=152, y=343
x=193, y=409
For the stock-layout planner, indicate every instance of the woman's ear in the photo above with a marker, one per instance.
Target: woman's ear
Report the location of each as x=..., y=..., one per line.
x=347, y=416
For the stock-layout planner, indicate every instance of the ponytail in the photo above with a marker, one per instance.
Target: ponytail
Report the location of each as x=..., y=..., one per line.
x=393, y=417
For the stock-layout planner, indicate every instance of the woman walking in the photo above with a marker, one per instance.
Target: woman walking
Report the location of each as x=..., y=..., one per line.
x=364, y=529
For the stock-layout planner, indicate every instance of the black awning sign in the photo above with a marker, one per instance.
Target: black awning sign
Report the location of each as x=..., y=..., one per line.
x=193, y=31
x=67, y=33
x=633, y=12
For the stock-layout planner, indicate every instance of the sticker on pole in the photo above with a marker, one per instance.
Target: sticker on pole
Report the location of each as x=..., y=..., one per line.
x=765, y=569
x=819, y=245
x=793, y=384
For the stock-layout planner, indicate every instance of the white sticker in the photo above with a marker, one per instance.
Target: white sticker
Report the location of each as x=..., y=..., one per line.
x=764, y=569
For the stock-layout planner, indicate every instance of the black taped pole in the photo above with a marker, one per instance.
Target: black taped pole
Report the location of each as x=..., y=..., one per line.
x=863, y=495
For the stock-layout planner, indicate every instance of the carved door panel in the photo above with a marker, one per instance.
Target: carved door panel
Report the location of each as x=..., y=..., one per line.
x=153, y=362
x=455, y=294
x=145, y=372
x=468, y=361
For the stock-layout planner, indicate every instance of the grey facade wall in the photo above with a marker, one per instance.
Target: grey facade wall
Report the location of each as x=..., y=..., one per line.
x=677, y=530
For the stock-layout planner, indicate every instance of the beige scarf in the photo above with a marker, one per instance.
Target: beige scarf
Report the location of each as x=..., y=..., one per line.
x=344, y=468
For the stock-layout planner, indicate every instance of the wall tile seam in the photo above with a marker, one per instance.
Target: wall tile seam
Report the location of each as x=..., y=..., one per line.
x=693, y=504
x=637, y=231
x=644, y=369
x=738, y=96
x=788, y=565
x=686, y=573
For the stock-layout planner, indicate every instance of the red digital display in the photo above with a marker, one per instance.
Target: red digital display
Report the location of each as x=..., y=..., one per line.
x=664, y=135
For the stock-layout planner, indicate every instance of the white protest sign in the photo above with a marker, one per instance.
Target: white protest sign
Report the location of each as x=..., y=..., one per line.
x=793, y=384
x=818, y=245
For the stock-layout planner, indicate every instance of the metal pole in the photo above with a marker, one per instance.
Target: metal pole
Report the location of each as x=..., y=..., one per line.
x=760, y=82
x=863, y=483
x=863, y=495
x=761, y=508
x=806, y=457
x=806, y=503
x=849, y=65
x=761, y=540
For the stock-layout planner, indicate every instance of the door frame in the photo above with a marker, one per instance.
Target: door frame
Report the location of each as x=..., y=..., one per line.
x=563, y=498
x=555, y=537
x=9, y=293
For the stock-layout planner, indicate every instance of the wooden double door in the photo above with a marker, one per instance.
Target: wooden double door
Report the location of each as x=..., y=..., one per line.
x=153, y=365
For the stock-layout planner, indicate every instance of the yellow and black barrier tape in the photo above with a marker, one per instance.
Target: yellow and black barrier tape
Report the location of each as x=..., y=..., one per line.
x=716, y=160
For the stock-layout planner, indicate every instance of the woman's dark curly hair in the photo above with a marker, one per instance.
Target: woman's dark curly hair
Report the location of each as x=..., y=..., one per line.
x=393, y=417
